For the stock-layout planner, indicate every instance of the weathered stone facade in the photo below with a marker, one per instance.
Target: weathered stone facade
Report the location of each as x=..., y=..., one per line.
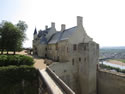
x=74, y=53
x=109, y=82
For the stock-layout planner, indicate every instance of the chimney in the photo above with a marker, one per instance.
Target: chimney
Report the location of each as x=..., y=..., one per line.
x=52, y=25
x=63, y=27
x=46, y=27
x=79, y=21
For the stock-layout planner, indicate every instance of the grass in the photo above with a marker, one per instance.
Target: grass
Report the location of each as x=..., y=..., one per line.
x=6, y=60
x=122, y=60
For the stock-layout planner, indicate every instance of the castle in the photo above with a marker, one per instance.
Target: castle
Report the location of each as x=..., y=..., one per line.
x=74, y=54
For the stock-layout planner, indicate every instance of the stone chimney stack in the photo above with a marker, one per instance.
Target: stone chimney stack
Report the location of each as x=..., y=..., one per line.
x=63, y=27
x=79, y=21
x=46, y=27
x=52, y=25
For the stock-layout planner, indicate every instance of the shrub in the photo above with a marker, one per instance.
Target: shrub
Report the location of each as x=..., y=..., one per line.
x=17, y=75
x=17, y=60
x=18, y=80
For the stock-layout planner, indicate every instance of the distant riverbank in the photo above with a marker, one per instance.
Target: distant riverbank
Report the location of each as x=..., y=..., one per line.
x=114, y=63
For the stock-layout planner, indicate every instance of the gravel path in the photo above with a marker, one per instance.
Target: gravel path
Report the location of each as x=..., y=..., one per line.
x=39, y=63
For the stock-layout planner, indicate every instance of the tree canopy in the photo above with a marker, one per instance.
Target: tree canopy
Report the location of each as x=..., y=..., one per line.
x=12, y=36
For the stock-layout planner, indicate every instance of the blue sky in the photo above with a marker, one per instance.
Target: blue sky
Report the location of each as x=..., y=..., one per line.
x=104, y=20
x=9, y=9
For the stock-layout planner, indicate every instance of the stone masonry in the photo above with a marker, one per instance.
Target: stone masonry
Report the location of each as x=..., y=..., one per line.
x=74, y=54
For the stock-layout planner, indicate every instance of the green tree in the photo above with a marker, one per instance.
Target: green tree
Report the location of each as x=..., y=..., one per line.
x=22, y=26
x=12, y=36
x=0, y=37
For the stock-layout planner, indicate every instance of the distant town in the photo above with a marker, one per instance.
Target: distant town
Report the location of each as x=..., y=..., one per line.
x=113, y=52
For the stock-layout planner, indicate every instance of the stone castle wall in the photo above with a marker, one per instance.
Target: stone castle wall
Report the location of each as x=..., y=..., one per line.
x=67, y=72
x=110, y=83
x=79, y=73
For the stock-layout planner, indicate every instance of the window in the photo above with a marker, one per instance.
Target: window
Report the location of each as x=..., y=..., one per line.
x=45, y=55
x=97, y=46
x=65, y=71
x=85, y=59
x=72, y=61
x=85, y=47
x=79, y=59
x=74, y=47
x=46, y=49
x=57, y=58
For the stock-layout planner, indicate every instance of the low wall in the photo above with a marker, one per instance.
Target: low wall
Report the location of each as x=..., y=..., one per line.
x=59, y=81
x=47, y=78
x=68, y=73
x=110, y=83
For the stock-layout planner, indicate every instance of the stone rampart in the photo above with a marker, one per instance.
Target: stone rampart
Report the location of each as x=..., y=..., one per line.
x=110, y=82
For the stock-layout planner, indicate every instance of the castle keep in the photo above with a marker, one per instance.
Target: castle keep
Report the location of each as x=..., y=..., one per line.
x=74, y=55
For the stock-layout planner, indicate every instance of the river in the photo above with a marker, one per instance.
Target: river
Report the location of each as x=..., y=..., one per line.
x=113, y=65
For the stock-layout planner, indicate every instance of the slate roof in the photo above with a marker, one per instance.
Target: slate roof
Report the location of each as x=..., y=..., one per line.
x=62, y=35
x=42, y=36
x=67, y=33
x=55, y=38
x=43, y=33
x=35, y=31
x=40, y=33
x=43, y=40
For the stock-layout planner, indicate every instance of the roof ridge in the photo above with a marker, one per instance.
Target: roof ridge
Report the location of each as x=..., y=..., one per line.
x=70, y=28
